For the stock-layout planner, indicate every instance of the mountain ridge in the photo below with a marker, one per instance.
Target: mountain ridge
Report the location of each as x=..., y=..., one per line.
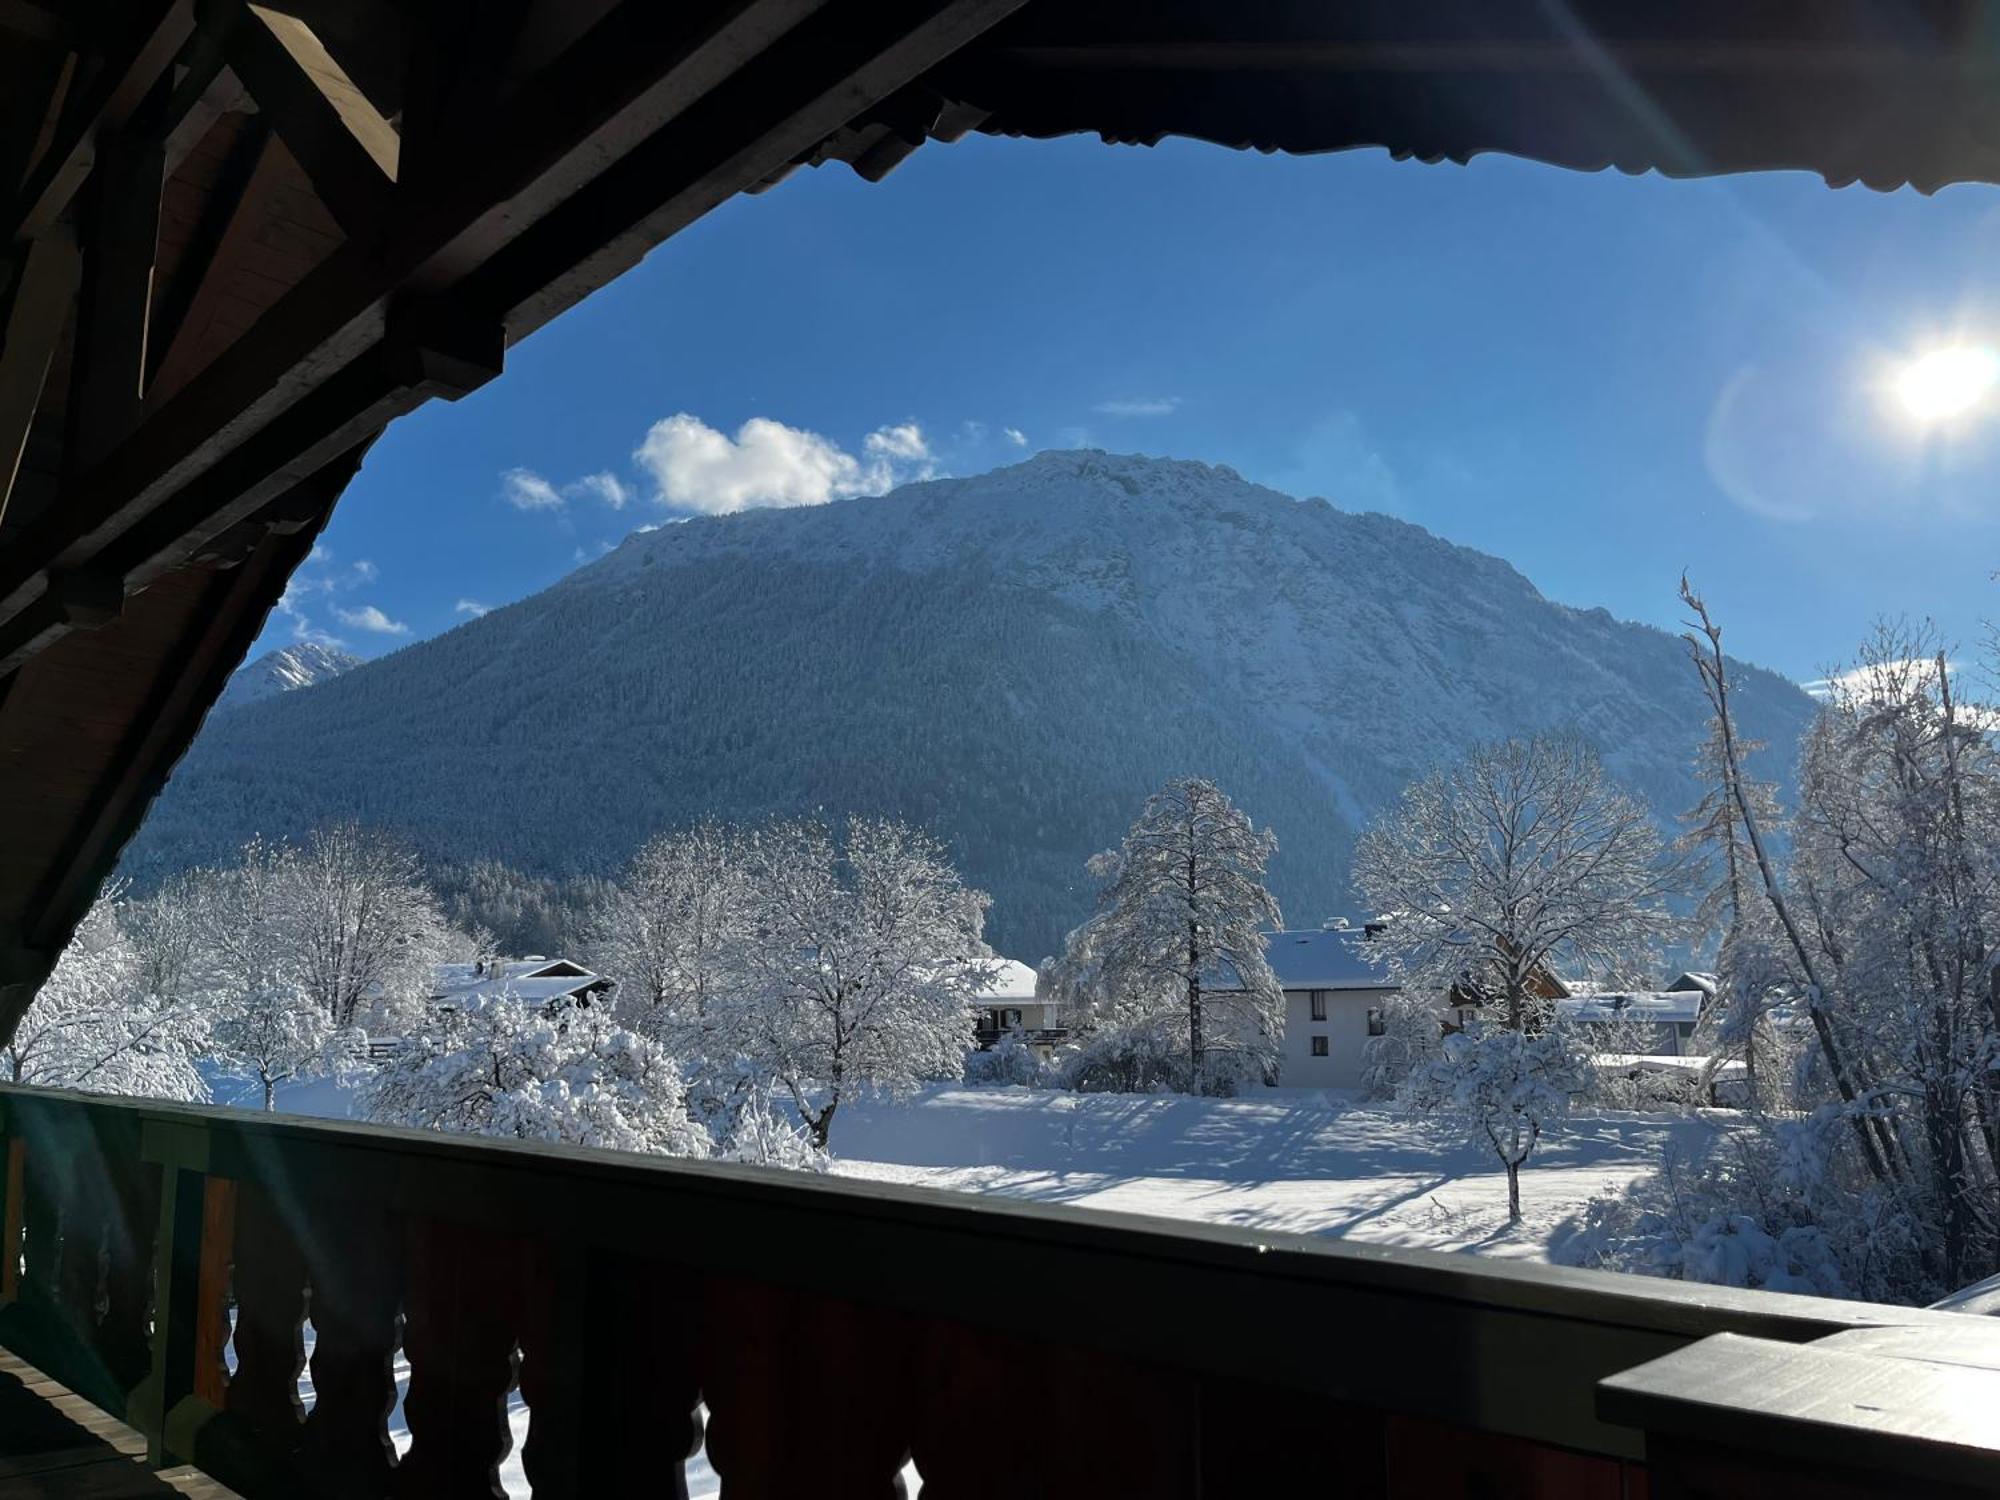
x=1013, y=659
x=289, y=669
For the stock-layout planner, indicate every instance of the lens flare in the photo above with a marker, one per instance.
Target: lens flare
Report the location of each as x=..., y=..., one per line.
x=1947, y=382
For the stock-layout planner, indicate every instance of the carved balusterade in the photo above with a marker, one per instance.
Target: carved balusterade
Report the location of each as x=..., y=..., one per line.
x=463, y=1285
x=835, y=1330
x=354, y=1267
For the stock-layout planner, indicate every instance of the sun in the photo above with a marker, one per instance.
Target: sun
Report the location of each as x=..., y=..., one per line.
x=1948, y=382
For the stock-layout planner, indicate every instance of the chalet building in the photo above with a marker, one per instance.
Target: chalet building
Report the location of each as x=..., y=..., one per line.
x=1010, y=1004
x=236, y=243
x=544, y=982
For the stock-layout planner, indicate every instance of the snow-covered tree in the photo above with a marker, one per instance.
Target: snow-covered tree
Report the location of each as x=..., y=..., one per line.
x=865, y=964
x=1412, y=1034
x=163, y=929
x=96, y=1024
x=267, y=1019
x=500, y=1066
x=367, y=928
x=1877, y=926
x=1176, y=947
x=1516, y=862
x=668, y=930
x=1504, y=1088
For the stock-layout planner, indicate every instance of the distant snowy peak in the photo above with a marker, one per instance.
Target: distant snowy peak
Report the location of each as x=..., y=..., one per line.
x=284, y=671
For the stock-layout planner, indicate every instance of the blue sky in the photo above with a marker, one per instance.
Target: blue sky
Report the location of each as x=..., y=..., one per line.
x=1602, y=379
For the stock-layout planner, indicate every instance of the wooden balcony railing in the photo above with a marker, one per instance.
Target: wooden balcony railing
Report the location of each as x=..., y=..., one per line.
x=834, y=1328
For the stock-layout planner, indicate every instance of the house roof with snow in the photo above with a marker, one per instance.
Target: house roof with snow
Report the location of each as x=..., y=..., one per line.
x=536, y=980
x=1668, y=1007
x=1013, y=985
x=1319, y=958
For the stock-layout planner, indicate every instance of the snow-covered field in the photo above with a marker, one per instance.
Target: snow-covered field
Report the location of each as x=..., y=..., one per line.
x=1305, y=1161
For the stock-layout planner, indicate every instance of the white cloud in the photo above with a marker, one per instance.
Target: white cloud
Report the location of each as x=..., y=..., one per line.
x=368, y=617
x=1139, y=406
x=366, y=572
x=697, y=468
x=904, y=440
x=1858, y=680
x=524, y=489
x=472, y=608
x=1015, y=436
x=603, y=485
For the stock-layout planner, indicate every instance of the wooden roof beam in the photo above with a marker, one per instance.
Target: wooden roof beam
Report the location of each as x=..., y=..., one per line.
x=625, y=78
x=43, y=293
x=347, y=148
x=110, y=99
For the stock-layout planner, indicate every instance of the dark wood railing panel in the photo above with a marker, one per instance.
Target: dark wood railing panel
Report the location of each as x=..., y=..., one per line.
x=1002, y=1415
x=806, y=1395
x=268, y=1275
x=832, y=1327
x=11, y=1209
x=354, y=1267
x=639, y=1355
x=210, y=1379
x=461, y=1316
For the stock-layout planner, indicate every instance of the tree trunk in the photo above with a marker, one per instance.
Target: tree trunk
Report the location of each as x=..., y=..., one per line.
x=1513, y=1192
x=821, y=1125
x=270, y=1097
x=1197, y=1052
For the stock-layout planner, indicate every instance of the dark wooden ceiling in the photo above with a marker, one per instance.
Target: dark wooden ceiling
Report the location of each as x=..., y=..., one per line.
x=237, y=240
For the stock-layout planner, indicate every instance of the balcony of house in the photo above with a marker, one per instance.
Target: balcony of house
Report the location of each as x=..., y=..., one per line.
x=813, y=1335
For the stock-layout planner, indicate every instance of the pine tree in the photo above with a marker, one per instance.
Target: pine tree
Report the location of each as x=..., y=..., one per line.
x=1176, y=947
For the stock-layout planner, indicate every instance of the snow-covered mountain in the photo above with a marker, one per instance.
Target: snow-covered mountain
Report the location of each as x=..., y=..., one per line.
x=1014, y=659
x=285, y=670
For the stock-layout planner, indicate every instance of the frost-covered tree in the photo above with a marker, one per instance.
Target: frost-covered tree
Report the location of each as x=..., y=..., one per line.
x=97, y=1024
x=503, y=1067
x=1731, y=911
x=367, y=928
x=163, y=930
x=1878, y=929
x=268, y=1021
x=1412, y=1034
x=864, y=967
x=668, y=930
x=1504, y=1088
x=1176, y=947
x=1520, y=860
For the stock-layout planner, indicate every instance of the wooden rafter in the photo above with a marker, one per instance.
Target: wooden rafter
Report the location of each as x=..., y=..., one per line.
x=108, y=101
x=43, y=293
x=633, y=131
x=347, y=148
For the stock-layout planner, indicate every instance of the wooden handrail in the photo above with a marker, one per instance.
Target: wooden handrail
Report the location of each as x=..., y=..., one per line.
x=857, y=1317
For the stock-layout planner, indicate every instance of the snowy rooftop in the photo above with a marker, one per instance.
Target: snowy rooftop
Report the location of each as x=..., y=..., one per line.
x=1322, y=958
x=1679, y=1007
x=531, y=979
x=1014, y=984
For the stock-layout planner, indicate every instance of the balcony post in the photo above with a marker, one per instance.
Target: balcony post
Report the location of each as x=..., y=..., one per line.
x=177, y=1266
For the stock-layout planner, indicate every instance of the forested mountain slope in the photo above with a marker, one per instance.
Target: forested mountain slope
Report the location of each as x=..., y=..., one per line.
x=1014, y=660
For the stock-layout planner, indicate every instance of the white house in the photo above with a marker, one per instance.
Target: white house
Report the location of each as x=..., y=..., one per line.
x=1334, y=990
x=534, y=980
x=1009, y=1003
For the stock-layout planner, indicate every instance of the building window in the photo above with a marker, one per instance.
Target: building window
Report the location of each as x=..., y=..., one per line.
x=1319, y=1005
x=1319, y=1046
x=1376, y=1027
x=1010, y=1017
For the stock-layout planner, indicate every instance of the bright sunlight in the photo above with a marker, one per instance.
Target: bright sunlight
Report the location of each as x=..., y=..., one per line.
x=1947, y=382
